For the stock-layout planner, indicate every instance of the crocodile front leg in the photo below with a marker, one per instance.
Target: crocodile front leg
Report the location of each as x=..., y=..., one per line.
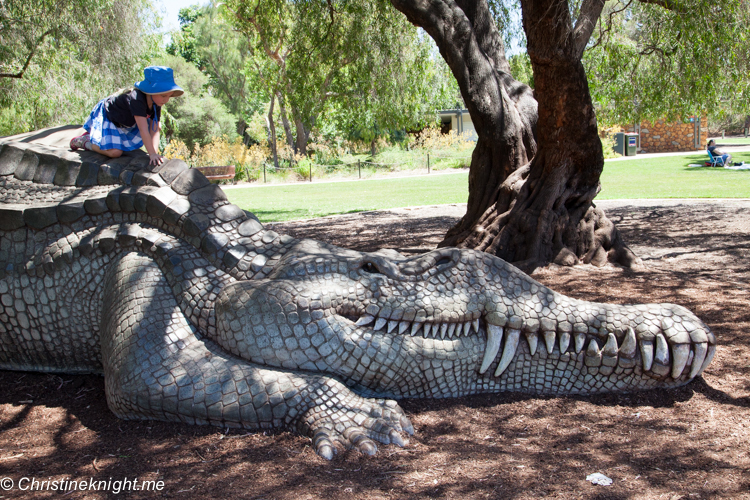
x=157, y=367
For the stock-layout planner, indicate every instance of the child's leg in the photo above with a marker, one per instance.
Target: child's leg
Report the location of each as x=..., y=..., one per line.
x=112, y=153
x=84, y=142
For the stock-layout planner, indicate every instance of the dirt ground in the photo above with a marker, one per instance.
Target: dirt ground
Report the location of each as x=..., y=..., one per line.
x=689, y=443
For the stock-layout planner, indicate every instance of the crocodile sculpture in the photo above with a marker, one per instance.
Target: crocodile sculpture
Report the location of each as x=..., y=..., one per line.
x=194, y=312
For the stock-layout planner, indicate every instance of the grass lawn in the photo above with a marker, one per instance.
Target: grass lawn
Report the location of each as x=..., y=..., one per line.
x=732, y=141
x=670, y=177
x=304, y=201
x=665, y=177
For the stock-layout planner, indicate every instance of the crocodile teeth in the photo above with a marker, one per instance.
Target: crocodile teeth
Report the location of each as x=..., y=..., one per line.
x=402, y=327
x=451, y=330
x=392, y=326
x=494, y=338
x=415, y=328
x=511, y=344
x=475, y=324
x=365, y=320
x=467, y=328
x=700, y=355
x=647, y=353
x=564, y=342
x=443, y=330
x=709, y=356
x=380, y=323
x=629, y=345
x=662, y=351
x=459, y=329
x=435, y=328
x=549, y=341
x=593, y=349
x=533, y=340
x=580, y=340
x=680, y=353
x=610, y=348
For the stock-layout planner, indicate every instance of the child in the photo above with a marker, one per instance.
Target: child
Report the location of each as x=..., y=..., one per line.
x=130, y=119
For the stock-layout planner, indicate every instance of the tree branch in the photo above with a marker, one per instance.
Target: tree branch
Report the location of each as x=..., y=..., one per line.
x=589, y=16
x=604, y=31
x=675, y=6
x=28, y=59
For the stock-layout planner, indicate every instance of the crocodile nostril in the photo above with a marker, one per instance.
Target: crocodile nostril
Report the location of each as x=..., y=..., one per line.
x=443, y=261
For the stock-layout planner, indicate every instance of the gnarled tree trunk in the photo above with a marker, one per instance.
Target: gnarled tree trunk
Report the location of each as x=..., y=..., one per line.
x=536, y=167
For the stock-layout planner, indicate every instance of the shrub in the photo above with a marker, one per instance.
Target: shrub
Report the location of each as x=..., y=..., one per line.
x=431, y=138
x=248, y=162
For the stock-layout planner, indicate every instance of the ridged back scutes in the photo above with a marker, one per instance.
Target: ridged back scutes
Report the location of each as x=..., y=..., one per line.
x=87, y=184
x=44, y=185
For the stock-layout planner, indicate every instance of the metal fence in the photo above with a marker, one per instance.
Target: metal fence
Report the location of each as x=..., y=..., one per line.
x=359, y=164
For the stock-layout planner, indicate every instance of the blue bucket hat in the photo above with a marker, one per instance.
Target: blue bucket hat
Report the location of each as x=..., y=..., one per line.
x=159, y=80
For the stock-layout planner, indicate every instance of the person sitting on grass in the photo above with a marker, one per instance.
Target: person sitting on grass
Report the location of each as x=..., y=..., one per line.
x=725, y=157
x=129, y=119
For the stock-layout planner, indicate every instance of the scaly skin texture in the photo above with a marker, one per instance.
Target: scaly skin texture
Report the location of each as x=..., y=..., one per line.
x=193, y=312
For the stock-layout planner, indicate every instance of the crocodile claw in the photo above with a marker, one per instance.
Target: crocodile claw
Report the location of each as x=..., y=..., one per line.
x=349, y=421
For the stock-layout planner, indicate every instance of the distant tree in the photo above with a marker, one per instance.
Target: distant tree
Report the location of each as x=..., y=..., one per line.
x=647, y=62
x=520, y=68
x=58, y=58
x=329, y=59
x=209, y=42
x=404, y=96
x=199, y=115
x=183, y=42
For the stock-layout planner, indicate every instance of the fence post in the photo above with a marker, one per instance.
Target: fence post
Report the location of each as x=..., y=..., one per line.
x=359, y=167
x=310, y=171
x=428, y=163
x=264, y=172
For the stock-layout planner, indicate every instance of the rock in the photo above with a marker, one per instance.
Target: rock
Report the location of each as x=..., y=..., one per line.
x=599, y=479
x=188, y=181
x=170, y=169
x=207, y=195
x=250, y=227
x=227, y=213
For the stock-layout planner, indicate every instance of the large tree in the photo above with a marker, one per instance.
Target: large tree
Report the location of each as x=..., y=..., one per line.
x=536, y=167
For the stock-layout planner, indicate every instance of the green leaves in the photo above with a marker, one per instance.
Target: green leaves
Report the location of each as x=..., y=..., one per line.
x=92, y=48
x=198, y=116
x=653, y=62
x=357, y=65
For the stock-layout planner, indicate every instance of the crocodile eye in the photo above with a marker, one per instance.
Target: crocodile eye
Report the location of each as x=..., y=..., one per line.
x=443, y=261
x=369, y=267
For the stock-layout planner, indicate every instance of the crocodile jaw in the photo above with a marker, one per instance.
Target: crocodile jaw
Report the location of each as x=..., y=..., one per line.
x=610, y=357
x=452, y=323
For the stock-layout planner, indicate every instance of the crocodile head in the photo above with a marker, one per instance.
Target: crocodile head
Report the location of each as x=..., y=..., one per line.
x=450, y=323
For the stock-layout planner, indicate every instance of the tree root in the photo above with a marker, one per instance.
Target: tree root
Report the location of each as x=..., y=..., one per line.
x=531, y=230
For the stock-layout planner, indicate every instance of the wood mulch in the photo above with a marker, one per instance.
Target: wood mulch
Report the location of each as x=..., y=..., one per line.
x=688, y=443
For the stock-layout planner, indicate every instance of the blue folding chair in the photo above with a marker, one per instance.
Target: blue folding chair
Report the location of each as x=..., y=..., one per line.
x=717, y=160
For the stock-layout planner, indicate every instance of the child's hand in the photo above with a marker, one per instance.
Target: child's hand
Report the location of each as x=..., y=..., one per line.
x=155, y=159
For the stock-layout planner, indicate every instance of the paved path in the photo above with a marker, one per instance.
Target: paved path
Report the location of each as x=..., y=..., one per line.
x=643, y=156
